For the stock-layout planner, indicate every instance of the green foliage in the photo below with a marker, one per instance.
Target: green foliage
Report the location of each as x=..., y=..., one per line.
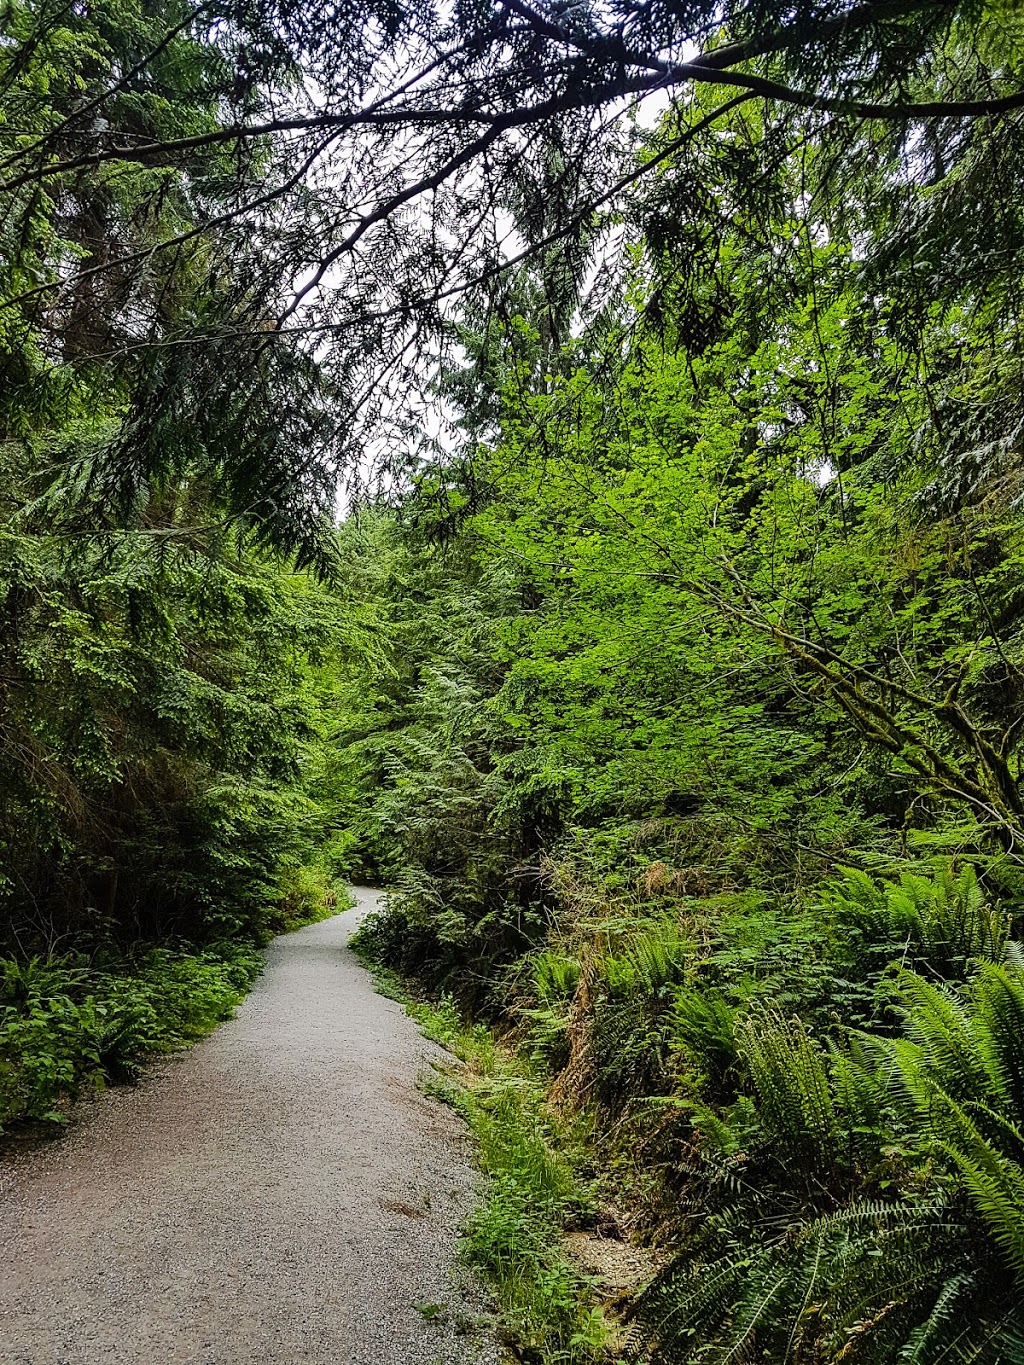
x=67, y=1026
x=704, y=1031
x=106, y=278
x=790, y=1080
x=901, y=1278
x=939, y=923
x=874, y=1283
x=162, y=643
x=416, y=776
x=692, y=946
x=679, y=704
x=532, y=1195
x=717, y=803
x=308, y=893
x=514, y=1235
x=160, y=705
x=959, y=1069
x=556, y=977
x=657, y=811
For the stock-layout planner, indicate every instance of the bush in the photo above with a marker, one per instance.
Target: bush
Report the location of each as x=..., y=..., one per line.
x=514, y=1236
x=308, y=894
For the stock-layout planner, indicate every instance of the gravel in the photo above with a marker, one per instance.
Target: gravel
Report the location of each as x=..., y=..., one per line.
x=282, y=1192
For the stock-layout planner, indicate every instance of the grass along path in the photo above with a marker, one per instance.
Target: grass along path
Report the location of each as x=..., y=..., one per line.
x=527, y=1235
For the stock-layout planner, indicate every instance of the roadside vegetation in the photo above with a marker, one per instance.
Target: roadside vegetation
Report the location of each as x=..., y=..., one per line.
x=68, y=1026
x=537, y=1182
x=164, y=645
x=73, y=1023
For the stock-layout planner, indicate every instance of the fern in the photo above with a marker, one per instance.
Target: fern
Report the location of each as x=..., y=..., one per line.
x=875, y=1283
x=998, y=1001
x=789, y=1075
x=958, y=1072
x=943, y=921
x=704, y=1030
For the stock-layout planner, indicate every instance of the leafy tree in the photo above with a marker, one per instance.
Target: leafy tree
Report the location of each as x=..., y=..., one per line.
x=317, y=135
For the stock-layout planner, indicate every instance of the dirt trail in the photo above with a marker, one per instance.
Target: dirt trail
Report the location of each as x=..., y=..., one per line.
x=280, y=1193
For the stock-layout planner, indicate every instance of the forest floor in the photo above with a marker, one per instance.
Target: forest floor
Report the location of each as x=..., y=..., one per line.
x=283, y=1192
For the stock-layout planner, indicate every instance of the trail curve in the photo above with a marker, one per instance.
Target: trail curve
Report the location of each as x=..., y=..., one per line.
x=280, y=1193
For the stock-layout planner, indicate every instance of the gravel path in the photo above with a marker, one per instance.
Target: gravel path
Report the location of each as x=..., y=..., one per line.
x=280, y=1193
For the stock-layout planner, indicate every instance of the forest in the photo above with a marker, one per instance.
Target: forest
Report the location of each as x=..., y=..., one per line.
x=561, y=463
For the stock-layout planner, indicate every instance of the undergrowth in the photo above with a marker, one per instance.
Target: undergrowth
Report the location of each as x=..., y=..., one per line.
x=67, y=1027
x=823, y=1148
x=308, y=894
x=75, y=1023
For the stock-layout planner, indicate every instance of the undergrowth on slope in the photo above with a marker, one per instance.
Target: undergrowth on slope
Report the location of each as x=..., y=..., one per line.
x=826, y=1177
x=75, y=1023
x=308, y=894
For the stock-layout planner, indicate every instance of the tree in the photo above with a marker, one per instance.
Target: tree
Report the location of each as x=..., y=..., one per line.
x=377, y=157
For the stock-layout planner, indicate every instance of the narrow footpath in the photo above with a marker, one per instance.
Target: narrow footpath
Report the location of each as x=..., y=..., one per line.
x=280, y=1193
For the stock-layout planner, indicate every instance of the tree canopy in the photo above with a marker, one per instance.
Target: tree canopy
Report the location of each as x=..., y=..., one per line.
x=302, y=196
